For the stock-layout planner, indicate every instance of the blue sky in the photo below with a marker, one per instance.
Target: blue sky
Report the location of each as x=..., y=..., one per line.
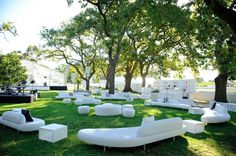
x=29, y=16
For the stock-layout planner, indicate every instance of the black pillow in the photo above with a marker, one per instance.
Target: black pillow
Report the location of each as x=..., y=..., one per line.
x=213, y=105
x=27, y=115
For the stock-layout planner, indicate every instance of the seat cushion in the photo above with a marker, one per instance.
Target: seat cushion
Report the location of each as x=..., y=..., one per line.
x=160, y=126
x=15, y=117
x=147, y=120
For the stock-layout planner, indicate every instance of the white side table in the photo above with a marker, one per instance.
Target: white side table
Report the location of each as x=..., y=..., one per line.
x=194, y=126
x=195, y=110
x=53, y=132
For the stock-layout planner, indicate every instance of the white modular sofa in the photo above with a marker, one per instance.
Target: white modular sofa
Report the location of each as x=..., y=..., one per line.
x=174, y=103
x=133, y=136
x=16, y=120
x=218, y=115
x=87, y=100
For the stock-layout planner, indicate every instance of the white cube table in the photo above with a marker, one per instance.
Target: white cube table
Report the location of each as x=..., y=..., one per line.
x=194, y=126
x=53, y=132
x=195, y=110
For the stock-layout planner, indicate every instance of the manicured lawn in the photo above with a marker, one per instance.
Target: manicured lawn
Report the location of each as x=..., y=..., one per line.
x=218, y=139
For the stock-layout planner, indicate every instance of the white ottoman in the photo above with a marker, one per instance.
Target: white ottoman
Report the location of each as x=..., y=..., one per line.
x=83, y=109
x=147, y=103
x=195, y=110
x=128, y=112
x=67, y=101
x=128, y=106
x=108, y=109
x=53, y=132
x=194, y=126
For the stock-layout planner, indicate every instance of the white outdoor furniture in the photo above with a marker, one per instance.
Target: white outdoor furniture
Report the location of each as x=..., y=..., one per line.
x=83, y=109
x=128, y=106
x=195, y=110
x=128, y=112
x=87, y=100
x=64, y=95
x=108, y=109
x=66, y=101
x=16, y=120
x=218, y=115
x=118, y=96
x=174, y=103
x=194, y=126
x=133, y=136
x=53, y=132
x=146, y=93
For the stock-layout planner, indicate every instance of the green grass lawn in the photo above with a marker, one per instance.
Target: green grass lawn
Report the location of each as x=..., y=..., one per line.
x=217, y=140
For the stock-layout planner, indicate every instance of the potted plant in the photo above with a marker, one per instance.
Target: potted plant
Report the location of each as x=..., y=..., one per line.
x=155, y=94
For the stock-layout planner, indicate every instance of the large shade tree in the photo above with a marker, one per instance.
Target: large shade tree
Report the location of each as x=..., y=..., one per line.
x=159, y=37
x=11, y=70
x=218, y=43
x=113, y=18
x=76, y=44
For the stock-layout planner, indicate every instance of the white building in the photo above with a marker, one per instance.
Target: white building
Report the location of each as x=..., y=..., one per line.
x=42, y=75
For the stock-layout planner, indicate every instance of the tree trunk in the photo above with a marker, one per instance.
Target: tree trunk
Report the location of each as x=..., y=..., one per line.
x=107, y=84
x=143, y=80
x=128, y=80
x=221, y=88
x=87, y=84
x=111, y=77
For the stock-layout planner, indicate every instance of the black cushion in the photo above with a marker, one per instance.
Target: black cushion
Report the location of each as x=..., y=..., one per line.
x=213, y=105
x=27, y=115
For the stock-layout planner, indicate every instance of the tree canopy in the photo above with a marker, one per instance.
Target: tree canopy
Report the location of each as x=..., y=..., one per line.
x=11, y=70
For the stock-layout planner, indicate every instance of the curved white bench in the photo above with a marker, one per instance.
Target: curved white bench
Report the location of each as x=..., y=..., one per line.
x=217, y=115
x=133, y=136
x=174, y=103
x=108, y=109
x=17, y=121
x=87, y=100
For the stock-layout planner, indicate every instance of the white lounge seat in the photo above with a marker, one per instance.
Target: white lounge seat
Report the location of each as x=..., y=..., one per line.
x=108, y=109
x=17, y=121
x=66, y=101
x=83, y=109
x=174, y=103
x=218, y=115
x=133, y=136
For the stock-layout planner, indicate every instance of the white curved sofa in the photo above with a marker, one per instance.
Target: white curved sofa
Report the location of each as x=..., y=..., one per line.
x=17, y=121
x=133, y=136
x=174, y=103
x=108, y=109
x=218, y=115
x=87, y=100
